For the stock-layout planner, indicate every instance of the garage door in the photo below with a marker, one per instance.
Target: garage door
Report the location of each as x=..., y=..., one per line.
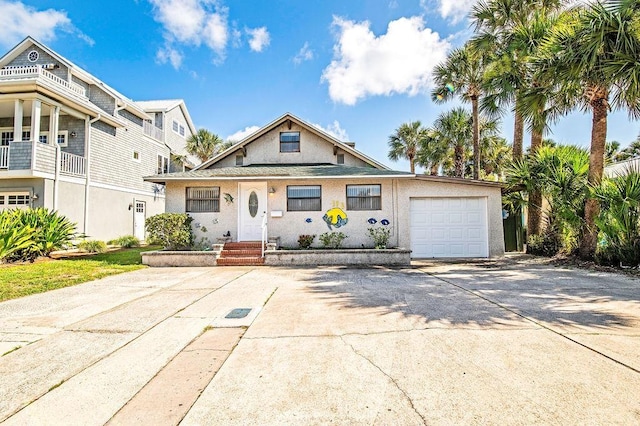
x=14, y=200
x=449, y=227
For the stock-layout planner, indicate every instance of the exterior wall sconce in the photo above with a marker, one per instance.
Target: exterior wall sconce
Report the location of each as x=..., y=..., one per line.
x=34, y=197
x=130, y=206
x=73, y=134
x=272, y=190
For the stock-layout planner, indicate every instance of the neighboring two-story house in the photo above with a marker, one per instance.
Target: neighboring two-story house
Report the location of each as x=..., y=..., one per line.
x=71, y=143
x=299, y=180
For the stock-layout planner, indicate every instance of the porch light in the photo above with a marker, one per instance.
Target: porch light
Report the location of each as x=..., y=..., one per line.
x=272, y=190
x=73, y=134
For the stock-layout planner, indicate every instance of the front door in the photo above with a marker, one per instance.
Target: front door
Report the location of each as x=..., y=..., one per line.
x=138, y=219
x=252, y=207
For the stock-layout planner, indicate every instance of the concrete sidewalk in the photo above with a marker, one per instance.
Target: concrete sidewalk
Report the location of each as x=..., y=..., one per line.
x=442, y=343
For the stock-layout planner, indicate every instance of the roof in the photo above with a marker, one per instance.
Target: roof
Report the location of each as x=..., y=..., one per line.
x=122, y=101
x=311, y=128
x=280, y=171
x=165, y=105
x=621, y=168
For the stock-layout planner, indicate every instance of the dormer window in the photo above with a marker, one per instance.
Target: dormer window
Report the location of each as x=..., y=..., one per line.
x=290, y=142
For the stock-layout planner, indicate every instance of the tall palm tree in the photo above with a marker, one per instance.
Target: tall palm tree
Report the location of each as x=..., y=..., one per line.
x=433, y=153
x=204, y=144
x=461, y=75
x=597, y=46
x=405, y=141
x=452, y=129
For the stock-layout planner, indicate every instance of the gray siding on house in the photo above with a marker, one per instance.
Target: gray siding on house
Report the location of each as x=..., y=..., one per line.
x=72, y=124
x=103, y=127
x=22, y=61
x=102, y=99
x=20, y=155
x=80, y=83
x=130, y=117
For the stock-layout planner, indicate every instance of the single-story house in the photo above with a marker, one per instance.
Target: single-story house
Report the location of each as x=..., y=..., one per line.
x=304, y=181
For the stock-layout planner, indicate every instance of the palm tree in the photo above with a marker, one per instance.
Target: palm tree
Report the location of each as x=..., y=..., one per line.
x=433, y=153
x=204, y=144
x=597, y=46
x=405, y=141
x=462, y=74
x=632, y=151
x=452, y=129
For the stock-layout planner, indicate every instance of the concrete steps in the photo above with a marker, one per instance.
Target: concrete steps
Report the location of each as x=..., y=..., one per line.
x=241, y=254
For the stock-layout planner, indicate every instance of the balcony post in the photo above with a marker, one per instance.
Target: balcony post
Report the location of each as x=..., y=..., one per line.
x=17, y=119
x=36, y=111
x=54, y=120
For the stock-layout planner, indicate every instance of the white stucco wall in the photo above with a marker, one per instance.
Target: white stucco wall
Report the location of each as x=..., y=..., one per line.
x=396, y=194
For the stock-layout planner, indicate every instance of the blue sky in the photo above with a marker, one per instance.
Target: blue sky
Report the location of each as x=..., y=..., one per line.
x=356, y=68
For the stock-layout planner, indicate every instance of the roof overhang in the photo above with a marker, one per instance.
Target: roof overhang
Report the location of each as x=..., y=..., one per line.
x=164, y=179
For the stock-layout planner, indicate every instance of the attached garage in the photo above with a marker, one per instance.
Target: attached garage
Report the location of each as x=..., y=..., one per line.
x=449, y=227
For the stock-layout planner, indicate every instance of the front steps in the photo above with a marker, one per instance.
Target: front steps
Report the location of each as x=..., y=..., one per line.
x=241, y=254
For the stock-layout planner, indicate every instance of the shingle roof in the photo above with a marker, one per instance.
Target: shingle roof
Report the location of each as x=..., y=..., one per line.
x=279, y=171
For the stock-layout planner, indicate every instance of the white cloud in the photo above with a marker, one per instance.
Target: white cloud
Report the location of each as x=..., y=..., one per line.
x=398, y=62
x=305, y=54
x=18, y=20
x=191, y=23
x=334, y=130
x=259, y=38
x=453, y=10
x=241, y=134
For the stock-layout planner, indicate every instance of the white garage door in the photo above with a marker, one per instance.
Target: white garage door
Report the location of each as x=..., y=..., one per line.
x=449, y=227
x=14, y=200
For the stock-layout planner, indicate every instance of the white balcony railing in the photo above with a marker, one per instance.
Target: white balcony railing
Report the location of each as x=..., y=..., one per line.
x=71, y=164
x=4, y=157
x=35, y=71
x=152, y=131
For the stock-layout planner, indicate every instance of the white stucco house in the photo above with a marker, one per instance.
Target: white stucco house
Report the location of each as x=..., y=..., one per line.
x=71, y=143
x=305, y=181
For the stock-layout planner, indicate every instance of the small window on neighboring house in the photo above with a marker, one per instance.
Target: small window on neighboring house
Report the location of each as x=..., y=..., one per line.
x=239, y=159
x=176, y=126
x=163, y=164
x=304, y=198
x=290, y=142
x=181, y=130
x=364, y=197
x=18, y=199
x=136, y=156
x=340, y=158
x=204, y=199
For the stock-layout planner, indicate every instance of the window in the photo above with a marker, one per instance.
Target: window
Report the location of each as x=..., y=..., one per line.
x=239, y=159
x=18, y=200
x=163, y=164
x=290, y=142
x=5, y=137
x=364, y=197
x=33, y=56
x=176, y=126
x=340, y=158
x=181, y=130
x=136, y=156
x=63, y=137
x=203, y=199
x=304, y=198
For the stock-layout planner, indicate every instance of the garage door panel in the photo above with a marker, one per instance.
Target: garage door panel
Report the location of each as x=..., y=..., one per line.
x=449, y=227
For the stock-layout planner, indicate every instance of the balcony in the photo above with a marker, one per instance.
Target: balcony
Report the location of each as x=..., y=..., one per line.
x=152, y=131
x=36, y=72
x=18, y=156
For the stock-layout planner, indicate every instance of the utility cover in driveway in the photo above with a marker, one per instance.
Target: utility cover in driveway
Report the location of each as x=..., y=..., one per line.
x=449, y=227
x=238, y=313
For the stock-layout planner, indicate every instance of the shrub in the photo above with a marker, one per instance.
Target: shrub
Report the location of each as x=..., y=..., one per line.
x=12, y=238
x=171, y=230
x=380, y=236
x=332, y=239
x=126, y=241
x=305, y=241
x=92, y=246
x=48, y=231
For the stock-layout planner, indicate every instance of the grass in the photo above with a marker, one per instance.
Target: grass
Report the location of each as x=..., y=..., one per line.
x=31, y=278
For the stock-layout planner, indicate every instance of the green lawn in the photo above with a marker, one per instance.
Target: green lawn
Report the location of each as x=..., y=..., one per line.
x=24, y=279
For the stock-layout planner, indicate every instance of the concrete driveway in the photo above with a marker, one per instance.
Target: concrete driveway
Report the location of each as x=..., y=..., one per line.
x=510, y=341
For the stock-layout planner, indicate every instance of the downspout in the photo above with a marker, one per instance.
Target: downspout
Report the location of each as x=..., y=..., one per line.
x=87, y=152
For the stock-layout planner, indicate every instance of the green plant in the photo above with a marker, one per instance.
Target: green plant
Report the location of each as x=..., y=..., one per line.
x=203, y=244
x=305, y=241
x=13, y=239
x=126, y=241
x=171, y=230
x=380, y=236
x=332, y=239
x=92, y=246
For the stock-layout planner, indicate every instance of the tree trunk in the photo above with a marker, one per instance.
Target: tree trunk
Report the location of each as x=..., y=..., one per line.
x=518, y=134
x=434, y=170
x=534, y=207
x=412, y=164
x=476, y=137
x=600, y=108
x=459, y=160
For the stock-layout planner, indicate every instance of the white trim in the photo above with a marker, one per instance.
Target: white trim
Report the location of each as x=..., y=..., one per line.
x=260, y=178
x=71, y=179
x=27, y=173
x=128, y=191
